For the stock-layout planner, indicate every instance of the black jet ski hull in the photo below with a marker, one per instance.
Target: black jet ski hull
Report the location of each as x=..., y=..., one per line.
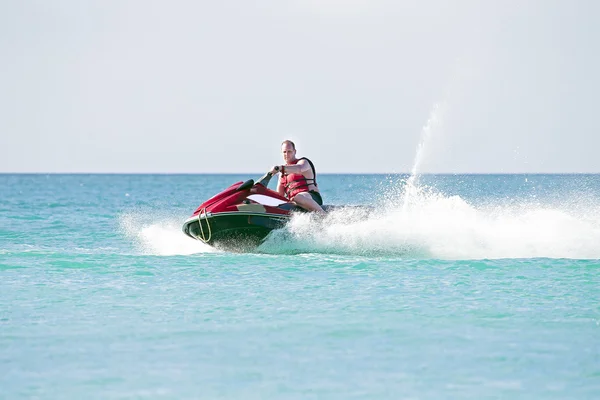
x=233, y=231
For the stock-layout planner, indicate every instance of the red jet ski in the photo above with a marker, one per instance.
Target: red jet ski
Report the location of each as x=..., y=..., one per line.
x=241, y=216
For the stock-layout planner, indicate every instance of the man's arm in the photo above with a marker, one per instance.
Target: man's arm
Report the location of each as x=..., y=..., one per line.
x=299, y=168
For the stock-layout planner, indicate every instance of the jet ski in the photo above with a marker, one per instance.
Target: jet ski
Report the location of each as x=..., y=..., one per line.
x=241, y=216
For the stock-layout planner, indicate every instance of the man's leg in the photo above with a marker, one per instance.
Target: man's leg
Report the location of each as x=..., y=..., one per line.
x=306, y=201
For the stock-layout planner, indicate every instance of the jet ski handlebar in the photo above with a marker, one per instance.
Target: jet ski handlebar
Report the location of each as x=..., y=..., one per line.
x=264, y=180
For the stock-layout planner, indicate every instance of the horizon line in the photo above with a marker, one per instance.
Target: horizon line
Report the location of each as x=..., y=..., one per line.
x=321, y=173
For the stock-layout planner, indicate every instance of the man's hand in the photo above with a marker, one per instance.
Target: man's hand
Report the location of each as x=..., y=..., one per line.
x=275, y=169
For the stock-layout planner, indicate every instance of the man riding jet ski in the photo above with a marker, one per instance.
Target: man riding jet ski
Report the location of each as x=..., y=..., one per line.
x=245, y=213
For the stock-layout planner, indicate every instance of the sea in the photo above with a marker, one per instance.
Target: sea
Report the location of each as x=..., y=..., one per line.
x=446, y=287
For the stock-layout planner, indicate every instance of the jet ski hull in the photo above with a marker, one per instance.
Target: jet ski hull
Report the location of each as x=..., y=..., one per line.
x=233, y=230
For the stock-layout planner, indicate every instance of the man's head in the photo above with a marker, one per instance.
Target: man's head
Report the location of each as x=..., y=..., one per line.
x=288, y=150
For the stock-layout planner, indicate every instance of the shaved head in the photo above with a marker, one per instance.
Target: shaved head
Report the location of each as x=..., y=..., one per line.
x=289, y=142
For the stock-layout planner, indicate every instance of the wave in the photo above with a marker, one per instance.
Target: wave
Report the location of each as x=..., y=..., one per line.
x=411, y=222
x=159, y=234
x=420, y=223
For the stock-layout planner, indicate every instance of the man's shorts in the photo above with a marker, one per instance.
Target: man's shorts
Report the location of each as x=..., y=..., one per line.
x=316, y=197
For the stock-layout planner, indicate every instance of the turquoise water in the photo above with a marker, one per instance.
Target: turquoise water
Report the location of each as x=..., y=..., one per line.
x=463, y=286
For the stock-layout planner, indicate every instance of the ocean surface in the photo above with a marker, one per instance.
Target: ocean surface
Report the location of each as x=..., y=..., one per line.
x=454, y=287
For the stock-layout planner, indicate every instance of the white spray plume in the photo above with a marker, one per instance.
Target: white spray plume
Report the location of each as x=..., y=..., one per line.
x=433, y=225
x=160, y=234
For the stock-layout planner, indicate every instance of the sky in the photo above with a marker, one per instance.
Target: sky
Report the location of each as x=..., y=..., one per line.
x=359, y=85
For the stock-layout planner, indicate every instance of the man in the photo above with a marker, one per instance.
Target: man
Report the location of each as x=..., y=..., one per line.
x=297, y=181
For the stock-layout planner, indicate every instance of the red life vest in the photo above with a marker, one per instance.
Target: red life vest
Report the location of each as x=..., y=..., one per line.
x=298, y=183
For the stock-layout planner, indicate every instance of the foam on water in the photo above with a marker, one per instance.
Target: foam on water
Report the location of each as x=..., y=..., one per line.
x=159, y=234
x=410, y=221
x=433, y=225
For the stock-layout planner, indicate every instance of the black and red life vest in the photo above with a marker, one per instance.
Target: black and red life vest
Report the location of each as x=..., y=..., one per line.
x=298, y=183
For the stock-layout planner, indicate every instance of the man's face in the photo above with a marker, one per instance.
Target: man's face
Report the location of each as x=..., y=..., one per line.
x=289, y=154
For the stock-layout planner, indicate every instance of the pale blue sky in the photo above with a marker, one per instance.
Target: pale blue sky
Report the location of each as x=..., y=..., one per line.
x=215, y=86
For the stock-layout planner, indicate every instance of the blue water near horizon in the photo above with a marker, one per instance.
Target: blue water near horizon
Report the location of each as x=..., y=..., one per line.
x=461, y=286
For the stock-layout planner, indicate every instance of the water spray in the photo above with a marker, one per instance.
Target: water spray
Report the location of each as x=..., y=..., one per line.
x=433, y=122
